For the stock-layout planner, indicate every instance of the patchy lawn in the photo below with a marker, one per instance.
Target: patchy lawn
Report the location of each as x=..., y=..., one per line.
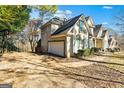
x=111, y=60
x=32, y=70
x=117, y=61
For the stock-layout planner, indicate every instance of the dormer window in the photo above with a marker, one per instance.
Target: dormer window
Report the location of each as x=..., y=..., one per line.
x=81, y=25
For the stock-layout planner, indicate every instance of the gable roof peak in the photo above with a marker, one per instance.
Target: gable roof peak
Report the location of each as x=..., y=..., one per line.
x=67, y=24
x=87, y=17
x=104, y=33
x=97, y=29
x=98, y=25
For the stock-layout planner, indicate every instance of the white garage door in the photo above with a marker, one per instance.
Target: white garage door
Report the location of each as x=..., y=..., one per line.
x=56, y=47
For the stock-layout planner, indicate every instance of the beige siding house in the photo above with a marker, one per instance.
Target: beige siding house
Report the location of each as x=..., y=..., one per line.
x=112, y=42
x=98, y=36
x=101, y=37
x=65, y=37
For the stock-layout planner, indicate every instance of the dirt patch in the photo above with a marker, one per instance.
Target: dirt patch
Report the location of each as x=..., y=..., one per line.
x=28, y=70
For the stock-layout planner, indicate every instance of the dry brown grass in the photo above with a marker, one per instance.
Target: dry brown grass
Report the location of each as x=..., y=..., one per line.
x=32, y=70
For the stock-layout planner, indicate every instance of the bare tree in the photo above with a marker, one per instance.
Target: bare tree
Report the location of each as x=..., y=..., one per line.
x=119, y=23
x=33, y=33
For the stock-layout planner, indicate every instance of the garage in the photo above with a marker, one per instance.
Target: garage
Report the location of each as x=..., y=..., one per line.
x=56, y=47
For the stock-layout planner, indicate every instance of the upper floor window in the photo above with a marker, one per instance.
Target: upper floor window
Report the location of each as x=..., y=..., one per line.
x=81, y=26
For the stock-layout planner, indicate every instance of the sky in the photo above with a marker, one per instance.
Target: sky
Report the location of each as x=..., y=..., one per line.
x=101, y=14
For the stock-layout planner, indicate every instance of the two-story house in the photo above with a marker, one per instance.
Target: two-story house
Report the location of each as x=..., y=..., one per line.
x=65, y=37
x=101, y=37
x=112, y=42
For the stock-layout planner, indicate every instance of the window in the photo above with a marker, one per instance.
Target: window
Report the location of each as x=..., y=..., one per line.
x=81, y=25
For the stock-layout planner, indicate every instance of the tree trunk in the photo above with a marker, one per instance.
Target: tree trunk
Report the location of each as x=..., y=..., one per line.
x=31, y=45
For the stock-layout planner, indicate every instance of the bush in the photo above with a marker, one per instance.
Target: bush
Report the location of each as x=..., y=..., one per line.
x=118, y=49
x=85, y=52
x=9, y=46
x=109, y=50
x=80, y=52
x=95, y=50
x=92, y=51
x=113, y=50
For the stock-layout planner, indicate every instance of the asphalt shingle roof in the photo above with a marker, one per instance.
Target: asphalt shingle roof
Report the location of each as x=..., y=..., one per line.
x=54, y=20
x=69, y=23
x=57, y=21
x=87, y=18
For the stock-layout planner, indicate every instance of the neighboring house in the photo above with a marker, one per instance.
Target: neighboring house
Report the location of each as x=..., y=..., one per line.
x=112, y=42
x=105, y=36
x=101, y=37
x=47, y=29
x=65, y=37
x=97, y=34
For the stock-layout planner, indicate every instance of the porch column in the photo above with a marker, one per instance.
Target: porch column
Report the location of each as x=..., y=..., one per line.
x=67, y=47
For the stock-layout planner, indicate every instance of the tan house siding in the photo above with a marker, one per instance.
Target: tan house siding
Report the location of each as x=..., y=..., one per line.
x=44, y=37
x=46, y=34
x=99, y=43
x=54, y=27
x=73, y=38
